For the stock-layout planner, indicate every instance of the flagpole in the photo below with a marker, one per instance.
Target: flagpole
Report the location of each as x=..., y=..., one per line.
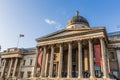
x=18, y=41
x=20, y=35
x=0, y=47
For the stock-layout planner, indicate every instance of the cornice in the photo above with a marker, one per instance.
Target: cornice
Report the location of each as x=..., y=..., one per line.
x=89, y=30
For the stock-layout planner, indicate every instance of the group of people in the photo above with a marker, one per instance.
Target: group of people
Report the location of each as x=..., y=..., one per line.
x=86, y=74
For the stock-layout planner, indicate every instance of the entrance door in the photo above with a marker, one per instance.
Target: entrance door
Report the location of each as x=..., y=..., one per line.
x=55, y=69
x=74, y=71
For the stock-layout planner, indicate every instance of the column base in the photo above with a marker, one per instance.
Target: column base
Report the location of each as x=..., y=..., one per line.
x=92, y=76
x=69, y=76
x=49, y=76
x=80, y=77
x=59, y=76
x=105, y=77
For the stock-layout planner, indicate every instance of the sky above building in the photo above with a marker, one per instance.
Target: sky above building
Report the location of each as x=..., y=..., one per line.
x=37, y=18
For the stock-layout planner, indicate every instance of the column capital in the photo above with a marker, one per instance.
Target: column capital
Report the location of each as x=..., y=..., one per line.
x=69, y=42
x=52, y=45
x=79, y=41
x=61, y=44
x=44, y=46
x=90, y=39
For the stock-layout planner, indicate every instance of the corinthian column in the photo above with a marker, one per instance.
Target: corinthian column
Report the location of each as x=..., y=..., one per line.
x=60, y=61
x=79, y=59
x=103, y=53
x=51, y=61
x=15, y=65
x=43, y=62
x=10, y=67
x=4, y=63
x=69, y=73
x=91, y=60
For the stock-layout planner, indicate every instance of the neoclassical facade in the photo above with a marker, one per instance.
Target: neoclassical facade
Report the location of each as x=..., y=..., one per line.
x=78, y=51
x=18, y=63
x=114, y=53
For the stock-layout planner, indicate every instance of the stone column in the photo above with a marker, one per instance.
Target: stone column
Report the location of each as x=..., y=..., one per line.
x=20, y=67
x=91, y=60
x=11, y=62
x=103, y=53
x=60, y=61
x=46, y=65
x=69, y=73
x=36, y=61
x=51, y=61
x=14, y=69
x=80, y=60
x=43, y=62
x=3, y=67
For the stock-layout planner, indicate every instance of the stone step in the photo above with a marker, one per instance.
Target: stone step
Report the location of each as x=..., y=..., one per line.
x=70, y=79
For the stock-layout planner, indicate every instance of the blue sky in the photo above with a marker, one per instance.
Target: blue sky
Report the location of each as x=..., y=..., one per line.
x=36, y=18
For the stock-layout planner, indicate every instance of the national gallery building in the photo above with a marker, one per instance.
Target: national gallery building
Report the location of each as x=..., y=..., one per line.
x=77, y=52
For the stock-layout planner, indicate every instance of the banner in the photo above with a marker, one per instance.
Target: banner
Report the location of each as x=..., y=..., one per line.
x=97, y=54
x=40, y=55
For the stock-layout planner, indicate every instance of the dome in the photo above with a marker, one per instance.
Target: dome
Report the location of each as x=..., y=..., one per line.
x=77, y=19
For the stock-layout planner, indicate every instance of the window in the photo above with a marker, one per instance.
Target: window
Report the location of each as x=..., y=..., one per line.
x=74, y=57
x=31, y=61
x=21, y=74
x=2, y=63
x=24, y=62
x=28, y=74
x=115, y=73
x=112, y=56
x=82, y=26
x=54, y=56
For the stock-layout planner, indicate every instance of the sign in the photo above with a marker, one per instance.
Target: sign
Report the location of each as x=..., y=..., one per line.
x=40, y=55
x=97, y=54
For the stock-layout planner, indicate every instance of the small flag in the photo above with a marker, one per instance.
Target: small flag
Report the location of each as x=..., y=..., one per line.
x=21, y=35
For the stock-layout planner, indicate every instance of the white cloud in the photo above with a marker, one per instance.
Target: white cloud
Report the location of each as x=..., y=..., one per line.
x=57, y=25
x=48, y=21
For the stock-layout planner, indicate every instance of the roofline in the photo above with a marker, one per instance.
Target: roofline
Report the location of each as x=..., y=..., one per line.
x=95, y=28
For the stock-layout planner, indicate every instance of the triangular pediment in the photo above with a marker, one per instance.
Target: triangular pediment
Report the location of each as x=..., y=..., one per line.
x=68, y=32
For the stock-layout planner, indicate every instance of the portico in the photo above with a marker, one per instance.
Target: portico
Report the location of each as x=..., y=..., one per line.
x=70, y=53
x=71, y=60
x=10, y=63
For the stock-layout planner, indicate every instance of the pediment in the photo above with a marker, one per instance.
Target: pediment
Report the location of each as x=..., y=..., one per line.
x=67, y=32
x=64, y=33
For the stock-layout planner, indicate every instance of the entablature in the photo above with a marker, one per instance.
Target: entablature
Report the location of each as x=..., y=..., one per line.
x=11, y=56
x=72, y=38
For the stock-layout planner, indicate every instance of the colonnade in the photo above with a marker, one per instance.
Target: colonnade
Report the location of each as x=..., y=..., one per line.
x=10, y=67
x=80, y=68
